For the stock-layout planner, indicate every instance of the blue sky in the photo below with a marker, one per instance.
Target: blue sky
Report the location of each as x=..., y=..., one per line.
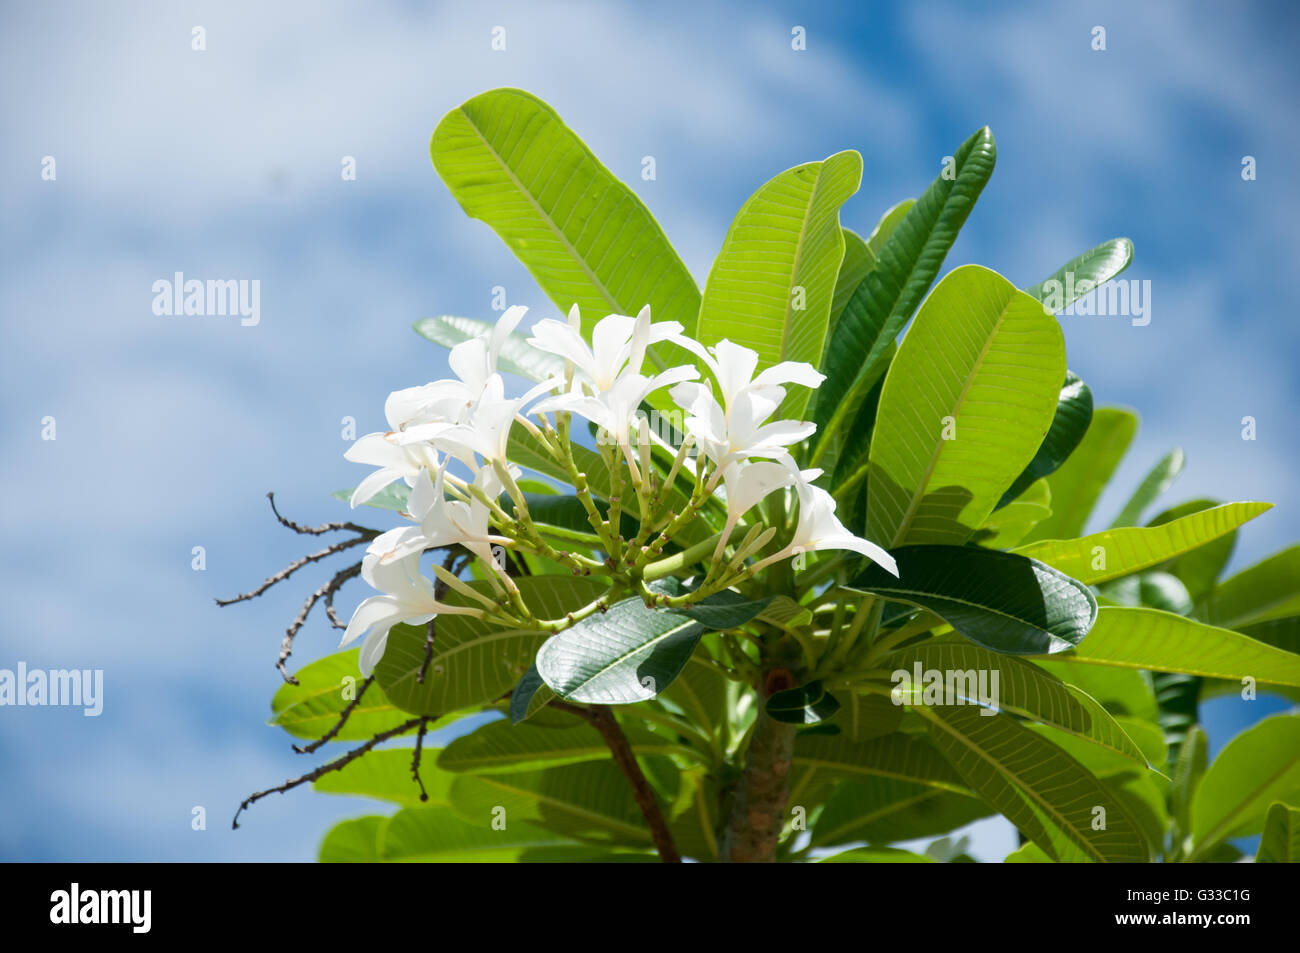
x=225, y=163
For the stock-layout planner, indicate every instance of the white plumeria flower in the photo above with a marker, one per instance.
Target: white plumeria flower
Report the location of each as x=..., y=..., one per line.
x=614, y=410
x=736, y=428
x=487, y=430
x=396, y=461
x=405, y=596
x=747, y=485
x=819, y=528
x=618, y=344
x=442, y=521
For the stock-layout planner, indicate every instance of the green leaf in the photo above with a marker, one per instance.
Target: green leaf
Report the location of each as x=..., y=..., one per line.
x=1040, y=788
x=326, y=687
x=1119, y=552
x=500, y=747
x=1028, y=853
x=586, y=238
x=1022, y=689
x=531, y=694
x=1008, y=525
x=591, y=801
x=1259, y=766
x=899, y=756
x=516, y=357
x=1198, y=568
x=1077, y=484
x=771, y=286
x=858, y=260
x=436, y=835
x=392, y=497
x=354, y=841
x=1281, y=841
x=627, y=654
x=1163, y=642
x=1267, y=590
x=1125, y=692
x=1160, y=478
x=1283, y=633
x=474, y=663
x=386, y=776
x=1001, y=601
x=907, y=264
x=850, y=452
x=785, y=613
x=1193, y=758
x=803, y=705
x=1080, y=275
x=1073, y=415
x=876, y=855
x=966, y=403
x=882, y=810
x=724, y=610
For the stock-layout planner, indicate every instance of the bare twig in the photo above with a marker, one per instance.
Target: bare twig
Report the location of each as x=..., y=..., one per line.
x=602, y=719
x=344, y=715
x=336, y=765
x=314, y=530
x=415, y=760
x=297, y=564
x=326, y=592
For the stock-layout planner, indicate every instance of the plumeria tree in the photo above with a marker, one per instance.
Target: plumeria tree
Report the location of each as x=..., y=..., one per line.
x=739, y=575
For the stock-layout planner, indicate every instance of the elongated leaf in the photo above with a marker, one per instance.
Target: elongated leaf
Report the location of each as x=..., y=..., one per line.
x=392, y=497
x=1163, y=642
x=1021, y=688
x=1160, y=478
x=724, y=610
x=353, y=841
x=1259, y=766
x=586, y=238
x=386, y=776
x=907, y=264
x=1199, y=568
x=772, y=284
x=883, y=810
x=473, y=662
x=851, y=454
x=1119, y=552
x=899, y=756
x=966, y=403
x=857, y=261
x=500, y=747
x=1080, y=275
x=1124, y=692
x=1281, y=841
x=1077, y=484
x=1004, y=602
x=1267, y=590
x=1008, y=525
x=1283, y=632
x=591, y=801
x=1193, y=758
x=1040, y=788
x=516, y=357
x=1073, y=415
x=437, y=835
x=326, y=687
x=530, y=695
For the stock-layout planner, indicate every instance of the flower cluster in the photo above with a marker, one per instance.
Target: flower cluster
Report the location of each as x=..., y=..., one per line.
x=733, y=450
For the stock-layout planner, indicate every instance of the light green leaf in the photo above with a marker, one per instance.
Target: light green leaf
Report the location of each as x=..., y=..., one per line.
x=1199, y=568
x=907, y=264
x=1163, y=642
x=392, y=497
x=900, y=756
x=1002, y=601
x=883, y=810
x=1022, y=689
x=1259, y=766
x=1281, y=841
x=876, y=855
x=965, y=405
x=1007, y=525
x=1119, y=552
x=473, y=662
x=386, y=776
x=771, y=286
x=516, y=357
x=1070, y=423
x=857, y=261
x=1267, y=590
x=500, y=747
x=1160, y=478
x=591, y=801
x=1077, y=484
x=1193, y=758
x=1080, y=275
x=1040, y=788
x=353, y=841
x=1123, y=691
x=586, y=238
x=326, y=687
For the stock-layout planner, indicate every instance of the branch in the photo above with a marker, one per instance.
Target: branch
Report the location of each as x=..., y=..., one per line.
x=297, y=564
x=344, y=715
x=336, y=765
x=602, y=719
x=327, y=593
x=415, y=761
x=314, y=530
